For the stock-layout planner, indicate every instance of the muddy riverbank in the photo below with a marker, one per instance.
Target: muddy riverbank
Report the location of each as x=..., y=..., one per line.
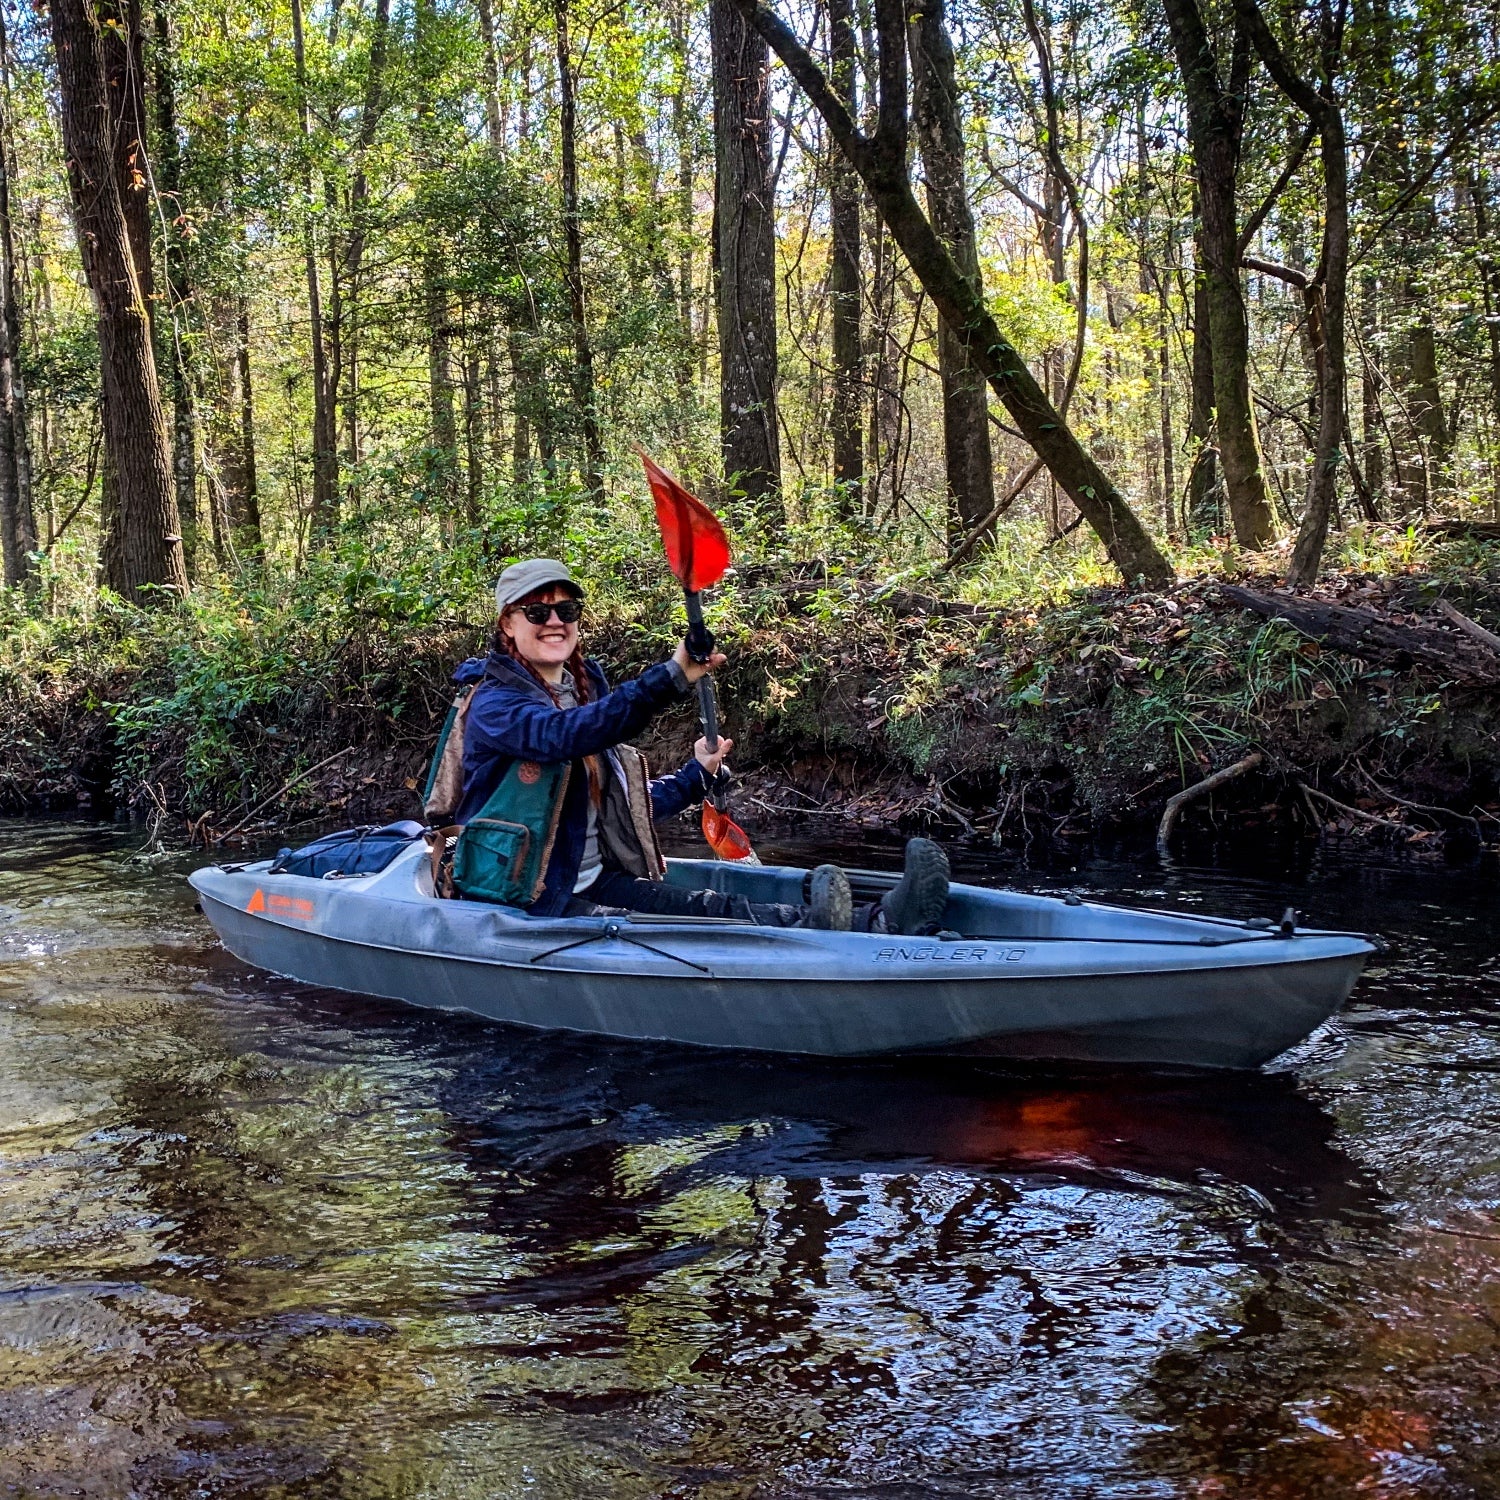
x=873, y=708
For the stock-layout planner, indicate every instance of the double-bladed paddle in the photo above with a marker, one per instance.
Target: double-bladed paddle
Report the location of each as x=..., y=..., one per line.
x=698, y=554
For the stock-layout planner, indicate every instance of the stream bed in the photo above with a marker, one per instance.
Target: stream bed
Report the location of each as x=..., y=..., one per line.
x=258, y=1239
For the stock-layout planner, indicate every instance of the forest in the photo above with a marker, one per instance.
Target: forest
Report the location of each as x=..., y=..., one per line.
x=313, y=316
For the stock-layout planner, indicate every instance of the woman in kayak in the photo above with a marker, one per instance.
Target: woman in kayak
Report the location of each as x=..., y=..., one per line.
x=539, y=705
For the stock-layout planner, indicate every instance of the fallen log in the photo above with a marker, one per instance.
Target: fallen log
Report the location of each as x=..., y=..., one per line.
x=1363, y=633
x=1484, y=531
x=1471, y=628
x=1173, y=810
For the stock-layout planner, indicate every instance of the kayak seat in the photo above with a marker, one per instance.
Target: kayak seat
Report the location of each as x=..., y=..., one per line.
x=350, y=851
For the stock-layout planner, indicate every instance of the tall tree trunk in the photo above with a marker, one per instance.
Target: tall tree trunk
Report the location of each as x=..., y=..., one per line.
x=935, y=114
x=245, y=517
x=1425, y=398
x=493, y=123
x=527, y=349
x=584, y=390
x=442, y=431
x=1201, y=412
x=1325, y=294
x=473, y=439
x=1329, y=296
x=494, y=119
x=18, y=536
x=142, y=553
x=1201, y=505
x=522, y=380
x=325, y=495
x=345, y=266
x=493, y=387
x=882, y=354
x=1153, y=360
x=745, y=219
x=1372, y=444
x=179, y=291
x=1489, y=280
x=437, y=296
x=684, y=130
x=1164, y=393
x=881, y=161
x=844, y=287
x=1215, y=124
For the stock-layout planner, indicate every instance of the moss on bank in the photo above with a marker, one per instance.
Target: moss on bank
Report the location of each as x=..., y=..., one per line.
x=1076, y=709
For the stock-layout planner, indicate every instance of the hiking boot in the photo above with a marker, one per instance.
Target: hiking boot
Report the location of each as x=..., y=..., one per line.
x=916, y=904
x=830, y=902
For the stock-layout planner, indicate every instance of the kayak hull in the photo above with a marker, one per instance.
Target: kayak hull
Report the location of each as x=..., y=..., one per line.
x=1151, y=988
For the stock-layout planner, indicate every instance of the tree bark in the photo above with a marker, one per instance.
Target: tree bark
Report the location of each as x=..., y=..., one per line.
x=1164, y=408
x=1425, y=399
x=142, y=551
x=1372, y=444
x=746, y=246
x=1325, y=294
x=1330, y=291
x=1157, y=370
x=523, y=380
x=1489, y=280
x=584, y=391
x=345, y=281
x=881, y=162
x=882, y=485
x=935, y=114
x=179, y=290
x=244, y=514
x=1204, y=487
x=18, y=538
x=442, y=430
x=844, y=285
x=492, y=120
x=473, y=439
x=685, y=135
x=325, y=495
x=1215, y=124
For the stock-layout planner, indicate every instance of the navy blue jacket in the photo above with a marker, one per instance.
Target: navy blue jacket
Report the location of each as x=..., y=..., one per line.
x=511, y=717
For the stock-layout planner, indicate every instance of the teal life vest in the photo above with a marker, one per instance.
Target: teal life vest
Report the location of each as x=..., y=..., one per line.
x=501, y=854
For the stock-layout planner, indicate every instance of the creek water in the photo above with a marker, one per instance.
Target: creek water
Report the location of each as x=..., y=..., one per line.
x=258, y=1239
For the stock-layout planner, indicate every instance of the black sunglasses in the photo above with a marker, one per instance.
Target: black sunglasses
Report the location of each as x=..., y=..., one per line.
x=568, y=612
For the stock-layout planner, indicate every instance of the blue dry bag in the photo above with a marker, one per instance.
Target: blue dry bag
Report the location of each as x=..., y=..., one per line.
x=351, y=851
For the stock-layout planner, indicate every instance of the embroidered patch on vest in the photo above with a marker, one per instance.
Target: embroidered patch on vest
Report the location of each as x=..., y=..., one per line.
x=529, y=772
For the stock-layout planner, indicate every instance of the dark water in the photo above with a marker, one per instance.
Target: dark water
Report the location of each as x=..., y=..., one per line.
x=262, y=1240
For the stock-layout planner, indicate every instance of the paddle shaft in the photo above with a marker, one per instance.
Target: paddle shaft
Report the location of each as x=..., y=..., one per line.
x=708, y=707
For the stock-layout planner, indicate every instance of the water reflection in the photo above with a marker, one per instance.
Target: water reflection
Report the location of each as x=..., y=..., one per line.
x=262, y=1240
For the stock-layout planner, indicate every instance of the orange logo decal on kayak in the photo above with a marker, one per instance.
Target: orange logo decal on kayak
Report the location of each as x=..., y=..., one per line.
x=298, y=908
x=530, y=772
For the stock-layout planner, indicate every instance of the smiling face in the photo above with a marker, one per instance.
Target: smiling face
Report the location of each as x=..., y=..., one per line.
x=548, y=646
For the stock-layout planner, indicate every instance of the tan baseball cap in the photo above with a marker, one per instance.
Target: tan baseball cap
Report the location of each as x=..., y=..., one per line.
x=523, y=578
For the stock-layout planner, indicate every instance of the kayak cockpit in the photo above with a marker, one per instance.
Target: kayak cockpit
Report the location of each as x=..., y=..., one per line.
x=977, y=912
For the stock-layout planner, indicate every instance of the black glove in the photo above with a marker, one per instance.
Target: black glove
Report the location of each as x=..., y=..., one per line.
x=699, y=641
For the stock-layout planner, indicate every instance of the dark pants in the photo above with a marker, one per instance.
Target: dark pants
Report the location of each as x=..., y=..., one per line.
x=656, y=898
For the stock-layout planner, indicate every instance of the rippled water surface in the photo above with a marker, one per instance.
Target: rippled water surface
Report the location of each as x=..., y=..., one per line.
x=258, y=1239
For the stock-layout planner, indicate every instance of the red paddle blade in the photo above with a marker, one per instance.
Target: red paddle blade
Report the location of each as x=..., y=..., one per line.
x=725, y=837
x=697, y=549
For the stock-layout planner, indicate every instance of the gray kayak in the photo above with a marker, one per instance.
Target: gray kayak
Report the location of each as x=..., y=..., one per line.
x=1031, y=977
